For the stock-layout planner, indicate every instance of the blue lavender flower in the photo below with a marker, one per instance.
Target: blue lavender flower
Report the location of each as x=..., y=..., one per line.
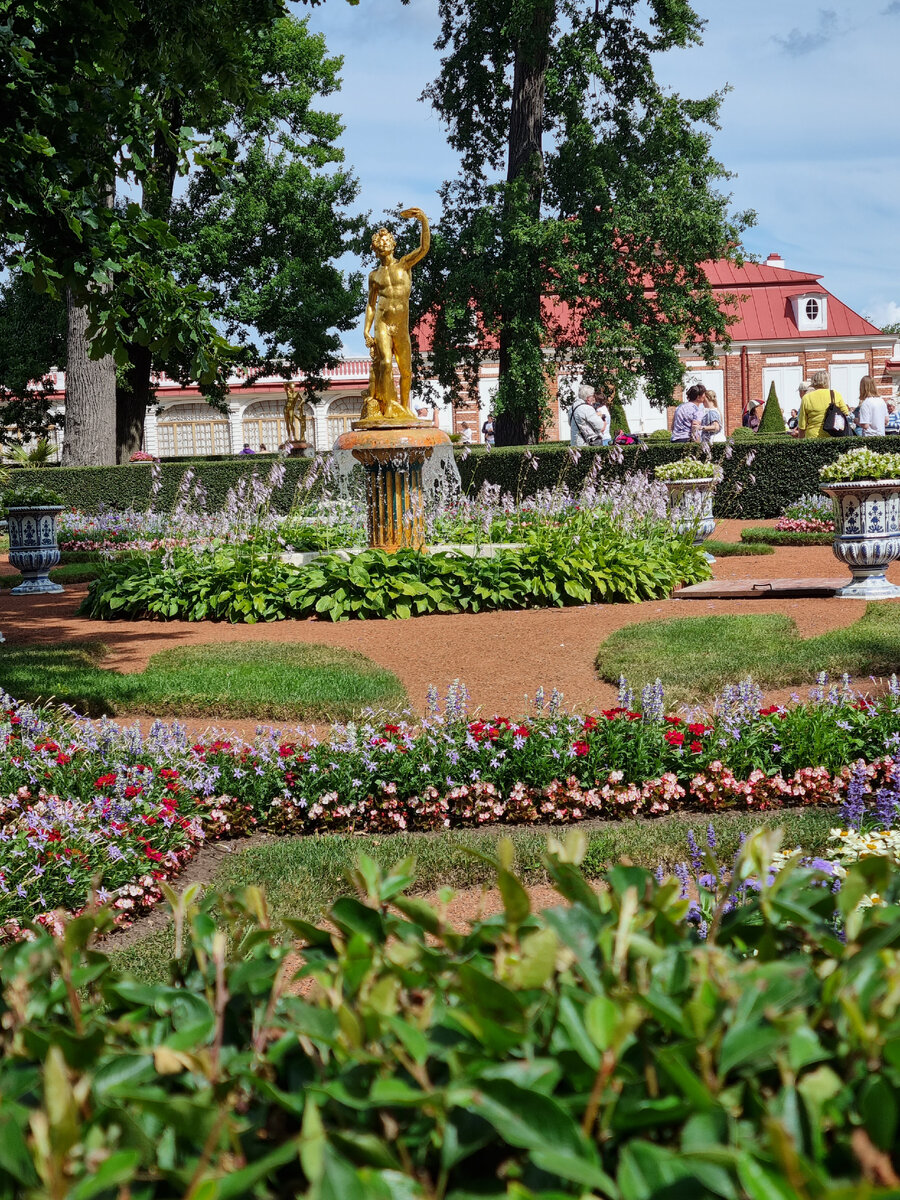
x=854, y=807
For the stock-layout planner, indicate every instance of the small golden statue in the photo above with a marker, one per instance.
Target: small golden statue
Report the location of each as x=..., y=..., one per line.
x=294, y=416
x=387, y=326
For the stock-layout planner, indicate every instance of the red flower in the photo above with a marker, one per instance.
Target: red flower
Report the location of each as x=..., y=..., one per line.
x=581, y=749
x=767, y=712
x=696, y=747
x=392, y=729
x=168, y=773
x=521, y=731
x=698, y=730
x=589, y=724
x=633, y=716
x=288, y=750
x=62, y=758
x=133, y=790
x=612, y=713
x=674, y=720
x=105, y=781
x=674, y=737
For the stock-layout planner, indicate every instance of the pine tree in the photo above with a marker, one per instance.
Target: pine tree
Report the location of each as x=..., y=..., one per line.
x=772, y=420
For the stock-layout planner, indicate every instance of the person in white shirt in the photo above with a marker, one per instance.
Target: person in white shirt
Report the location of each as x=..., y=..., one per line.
x=465, y=434
x=602, y=411
x=586, y=427
x=873, y=413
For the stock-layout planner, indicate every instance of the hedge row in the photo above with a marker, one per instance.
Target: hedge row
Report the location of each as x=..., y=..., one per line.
x=128, y=486
x=783, y=469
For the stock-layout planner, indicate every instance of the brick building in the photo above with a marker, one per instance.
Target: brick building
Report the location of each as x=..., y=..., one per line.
x=786, y=326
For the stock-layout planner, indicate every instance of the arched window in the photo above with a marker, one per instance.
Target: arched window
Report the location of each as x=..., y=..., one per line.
x=190, y=430
x=264, y=425
x=341, y=412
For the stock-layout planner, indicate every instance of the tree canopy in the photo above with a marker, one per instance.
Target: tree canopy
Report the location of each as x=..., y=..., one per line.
x=109, y=103
x=584, y=207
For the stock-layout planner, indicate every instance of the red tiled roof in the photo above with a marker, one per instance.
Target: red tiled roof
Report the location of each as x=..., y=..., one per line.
x=757, y=294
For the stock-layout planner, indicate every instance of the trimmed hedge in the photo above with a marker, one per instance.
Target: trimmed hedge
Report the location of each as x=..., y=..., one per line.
x=783, y=470
x=128, y=486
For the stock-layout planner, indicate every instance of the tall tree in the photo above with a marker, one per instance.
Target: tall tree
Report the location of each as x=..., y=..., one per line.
x=585, y=204
x=91, y=89
x=32, y=344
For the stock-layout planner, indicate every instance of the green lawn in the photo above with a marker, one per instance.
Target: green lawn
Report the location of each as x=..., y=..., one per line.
x=784, y=537
x=71, y=573
x=303, y=876
x=736, y=549
x=696, y=656
x=267, y=680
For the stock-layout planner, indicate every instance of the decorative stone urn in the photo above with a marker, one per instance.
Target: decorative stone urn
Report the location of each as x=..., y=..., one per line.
x=33, y=548
x=691, y=507
x=866, y=534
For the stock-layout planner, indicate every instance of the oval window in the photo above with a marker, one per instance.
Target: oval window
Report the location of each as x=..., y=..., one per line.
x=812, y=310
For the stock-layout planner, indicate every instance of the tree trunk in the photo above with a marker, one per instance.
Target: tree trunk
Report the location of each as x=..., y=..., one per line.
x=90, y=434
x=519, y=420
x=136, y=393
x=132, y=400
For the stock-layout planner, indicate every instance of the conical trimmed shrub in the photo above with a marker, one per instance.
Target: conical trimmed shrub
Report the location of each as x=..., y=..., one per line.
x=772, y=420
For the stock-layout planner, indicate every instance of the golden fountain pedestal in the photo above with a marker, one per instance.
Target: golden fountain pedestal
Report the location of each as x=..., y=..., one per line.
x=393, y=453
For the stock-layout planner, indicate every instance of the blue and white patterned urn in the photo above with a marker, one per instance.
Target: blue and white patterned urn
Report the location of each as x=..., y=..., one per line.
x=866, y=535
x=691, y=507
x=33, y=547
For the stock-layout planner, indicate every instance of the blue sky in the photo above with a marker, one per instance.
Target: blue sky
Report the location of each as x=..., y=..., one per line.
x=809, y=128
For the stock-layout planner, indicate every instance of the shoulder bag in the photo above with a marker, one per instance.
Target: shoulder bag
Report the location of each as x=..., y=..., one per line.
x=834, y=423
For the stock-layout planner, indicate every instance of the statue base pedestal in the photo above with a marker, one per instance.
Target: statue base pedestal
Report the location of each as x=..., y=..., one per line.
x=298, y=449
x=393, y=453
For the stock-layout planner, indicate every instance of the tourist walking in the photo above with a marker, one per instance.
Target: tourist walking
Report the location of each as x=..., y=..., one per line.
x=688, y=419
x=873, y=412
x=815, y=405
x=465, y=435
x=487, y=431
x=586, y=428
x=711, y=421
x=893, y=419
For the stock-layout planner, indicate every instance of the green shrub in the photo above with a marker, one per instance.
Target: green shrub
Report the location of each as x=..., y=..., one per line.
x=783, y=468
x=128, y=485
x=772, y=420
x=785, y=537
x=598, y=1048
x=618, y=422
x=550, y=571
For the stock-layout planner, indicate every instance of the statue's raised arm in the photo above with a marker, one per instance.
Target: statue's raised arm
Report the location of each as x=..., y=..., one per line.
x=415, y=256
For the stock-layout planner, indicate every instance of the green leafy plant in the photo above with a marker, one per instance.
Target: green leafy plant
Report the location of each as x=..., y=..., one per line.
x=601, y=1047
x=555, y=568
x=861, y=463
x=688, y=468
x=31, y=497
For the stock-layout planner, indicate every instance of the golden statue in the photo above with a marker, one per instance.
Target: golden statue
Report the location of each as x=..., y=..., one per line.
x=387, y=325
x=294, y=416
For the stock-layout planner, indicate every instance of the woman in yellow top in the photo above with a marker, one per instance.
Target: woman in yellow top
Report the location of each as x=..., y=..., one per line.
x=814, y=406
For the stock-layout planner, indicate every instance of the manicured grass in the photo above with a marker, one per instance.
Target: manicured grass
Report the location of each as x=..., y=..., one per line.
x=785, y=537
x=695, y=656
x=736, y=549
x=303, y=876
x=269, y=680
x=75, y=573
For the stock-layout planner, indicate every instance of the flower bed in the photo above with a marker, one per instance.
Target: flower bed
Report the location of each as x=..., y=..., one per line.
x=81, y=801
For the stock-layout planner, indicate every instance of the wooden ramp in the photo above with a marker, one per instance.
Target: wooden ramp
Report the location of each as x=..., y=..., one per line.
x=759, y=589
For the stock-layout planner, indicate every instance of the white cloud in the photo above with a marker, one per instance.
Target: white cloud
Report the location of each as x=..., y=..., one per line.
x=887, y=313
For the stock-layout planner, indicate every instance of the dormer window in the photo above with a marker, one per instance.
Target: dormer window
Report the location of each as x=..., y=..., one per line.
x=810, y=311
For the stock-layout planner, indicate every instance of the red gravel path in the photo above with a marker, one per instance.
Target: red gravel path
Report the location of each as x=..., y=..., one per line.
x=501, y=656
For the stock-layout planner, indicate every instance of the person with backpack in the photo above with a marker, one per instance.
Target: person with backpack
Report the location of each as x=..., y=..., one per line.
x=587, y=428
x=815, y=420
